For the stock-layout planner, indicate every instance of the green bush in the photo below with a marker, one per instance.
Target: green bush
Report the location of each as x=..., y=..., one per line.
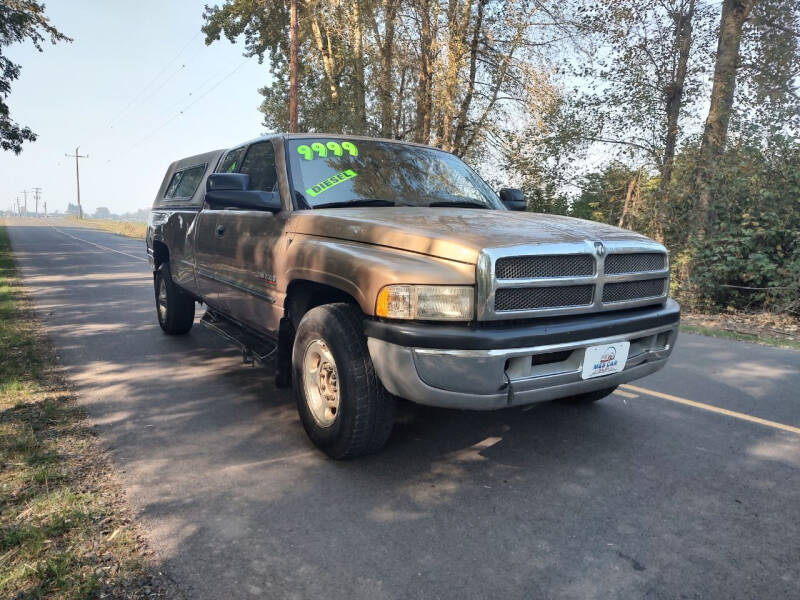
x=749, y=258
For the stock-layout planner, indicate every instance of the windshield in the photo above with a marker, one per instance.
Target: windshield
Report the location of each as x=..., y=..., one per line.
x=330, y=172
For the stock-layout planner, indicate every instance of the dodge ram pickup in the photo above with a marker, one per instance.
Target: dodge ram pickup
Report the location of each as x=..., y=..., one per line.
x=364, y=270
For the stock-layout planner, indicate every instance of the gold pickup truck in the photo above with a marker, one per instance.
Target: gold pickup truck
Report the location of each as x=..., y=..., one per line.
x=362, y=270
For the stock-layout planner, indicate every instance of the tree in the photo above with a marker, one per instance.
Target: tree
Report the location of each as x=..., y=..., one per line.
x=456, y=73
x=102, y=212
x=645, y=78
x=734, y=15
x=767, y=99
x=20, y=20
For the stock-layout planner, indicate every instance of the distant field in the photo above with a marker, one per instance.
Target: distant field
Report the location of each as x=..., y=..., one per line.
x=130, y=229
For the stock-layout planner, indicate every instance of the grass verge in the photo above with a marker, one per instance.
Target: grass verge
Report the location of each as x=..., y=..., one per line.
x=742, y=337
x=127, y=228
x=65, y=530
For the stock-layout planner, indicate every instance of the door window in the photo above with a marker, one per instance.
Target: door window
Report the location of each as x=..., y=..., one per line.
x=259, y=163
x=232, y=161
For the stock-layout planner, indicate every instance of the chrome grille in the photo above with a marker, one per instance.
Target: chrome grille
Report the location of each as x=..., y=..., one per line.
x=531, y=298
x=635, y=263
x=633, y=290
x=520, y=281
x=531, y=267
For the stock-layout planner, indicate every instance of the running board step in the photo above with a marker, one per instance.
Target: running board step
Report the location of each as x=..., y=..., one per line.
x=254, y=347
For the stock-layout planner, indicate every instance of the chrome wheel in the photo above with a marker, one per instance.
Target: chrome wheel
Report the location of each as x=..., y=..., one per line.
x=321, y=383
x=162, y=300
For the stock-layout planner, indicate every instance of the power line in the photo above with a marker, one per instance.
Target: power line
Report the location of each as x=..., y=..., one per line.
x=183, y=110
x=138, y=96
x=187, y=97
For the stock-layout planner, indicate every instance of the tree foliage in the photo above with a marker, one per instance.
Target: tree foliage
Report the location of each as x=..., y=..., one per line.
x=455, y=73
x=677, y=118
x=20, y=20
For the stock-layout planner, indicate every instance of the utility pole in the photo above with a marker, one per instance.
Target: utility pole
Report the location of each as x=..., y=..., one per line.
x=77, y=156
x=293, y=69
x=36, y=194
x=25, y=194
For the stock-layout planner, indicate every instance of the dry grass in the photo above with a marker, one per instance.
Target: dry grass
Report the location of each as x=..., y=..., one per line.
x=65, y=530
x=762, y=328
x=127, y=228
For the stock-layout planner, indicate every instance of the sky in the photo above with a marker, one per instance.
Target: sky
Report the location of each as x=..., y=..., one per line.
x=136, y=89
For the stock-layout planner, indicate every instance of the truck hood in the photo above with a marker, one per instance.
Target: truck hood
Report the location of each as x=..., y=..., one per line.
x=450, y=233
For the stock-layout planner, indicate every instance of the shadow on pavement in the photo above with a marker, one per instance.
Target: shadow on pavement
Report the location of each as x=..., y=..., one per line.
x=626, y=498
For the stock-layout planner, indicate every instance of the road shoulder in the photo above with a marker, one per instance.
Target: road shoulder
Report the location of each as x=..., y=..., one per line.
x=66, y=529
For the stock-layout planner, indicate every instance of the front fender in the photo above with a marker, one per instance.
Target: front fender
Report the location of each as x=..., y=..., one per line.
x=361, y=270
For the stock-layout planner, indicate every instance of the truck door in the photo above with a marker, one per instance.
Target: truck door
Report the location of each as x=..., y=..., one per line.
x=244, y=247
x=207, y=241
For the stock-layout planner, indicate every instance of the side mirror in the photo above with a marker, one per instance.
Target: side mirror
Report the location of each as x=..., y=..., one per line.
x=513, y=199
x=225, y=190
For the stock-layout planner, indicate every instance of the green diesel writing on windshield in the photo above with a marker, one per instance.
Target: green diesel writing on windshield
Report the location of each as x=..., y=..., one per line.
x=330, y=182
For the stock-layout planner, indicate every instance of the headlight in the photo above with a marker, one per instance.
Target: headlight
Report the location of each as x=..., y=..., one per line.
x=426, y=302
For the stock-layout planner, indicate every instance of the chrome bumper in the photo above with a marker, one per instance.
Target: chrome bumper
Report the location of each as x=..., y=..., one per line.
x=493, y=379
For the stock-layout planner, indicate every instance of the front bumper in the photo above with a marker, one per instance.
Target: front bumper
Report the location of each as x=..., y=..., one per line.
x=493, y=378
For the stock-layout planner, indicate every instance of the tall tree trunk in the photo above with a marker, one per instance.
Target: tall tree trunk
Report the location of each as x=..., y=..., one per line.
x=681, y=47
x=458, y=17
x=387, y=66
x=674, y=93
x=626, y=208
x=293, y=85
x=422, y=132
x=734, y=16
x=399, y=120
x=463, y=113
x=327, y=59
x=358, y=67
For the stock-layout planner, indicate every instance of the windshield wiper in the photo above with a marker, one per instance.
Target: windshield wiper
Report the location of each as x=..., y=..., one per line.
x=357, y=202
x=457, y=204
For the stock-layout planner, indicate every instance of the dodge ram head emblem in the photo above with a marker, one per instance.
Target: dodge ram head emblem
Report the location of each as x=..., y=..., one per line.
x=599, y=248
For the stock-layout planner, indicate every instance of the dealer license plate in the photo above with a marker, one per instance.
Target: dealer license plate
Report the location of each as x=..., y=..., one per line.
x=605, y=359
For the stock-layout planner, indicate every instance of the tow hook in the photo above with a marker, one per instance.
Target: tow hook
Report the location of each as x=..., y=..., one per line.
x=509, y=387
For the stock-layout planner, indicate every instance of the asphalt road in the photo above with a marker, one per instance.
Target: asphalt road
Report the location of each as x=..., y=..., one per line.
x=638, y=496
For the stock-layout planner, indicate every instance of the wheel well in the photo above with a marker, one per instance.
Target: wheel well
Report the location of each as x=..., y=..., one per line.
x=304, y=295
x=301, y=296
x=160, y=253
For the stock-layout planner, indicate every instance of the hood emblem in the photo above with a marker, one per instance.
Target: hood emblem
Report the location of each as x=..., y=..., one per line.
x=599, y=248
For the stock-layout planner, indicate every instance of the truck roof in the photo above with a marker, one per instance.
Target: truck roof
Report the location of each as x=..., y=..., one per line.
x=305, y=135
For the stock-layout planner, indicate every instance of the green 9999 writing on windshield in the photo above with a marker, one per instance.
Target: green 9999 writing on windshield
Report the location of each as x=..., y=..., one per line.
x=321, y=150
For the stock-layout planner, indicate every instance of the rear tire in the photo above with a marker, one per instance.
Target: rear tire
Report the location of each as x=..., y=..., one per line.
x=343, y=406
x=590, y=397
x=174, y=308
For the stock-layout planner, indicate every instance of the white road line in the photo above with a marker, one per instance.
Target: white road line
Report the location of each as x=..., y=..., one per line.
x=74, y=237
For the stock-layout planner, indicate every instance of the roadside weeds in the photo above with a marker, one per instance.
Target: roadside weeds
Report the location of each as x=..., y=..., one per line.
x=760, y=328
x=129, y=229
x=65, y=529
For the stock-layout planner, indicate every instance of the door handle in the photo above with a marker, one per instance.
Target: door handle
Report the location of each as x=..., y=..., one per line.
x=220, y=230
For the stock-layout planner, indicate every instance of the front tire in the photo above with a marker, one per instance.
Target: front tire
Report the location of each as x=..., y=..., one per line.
x=174, y=308
x=343, y=406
